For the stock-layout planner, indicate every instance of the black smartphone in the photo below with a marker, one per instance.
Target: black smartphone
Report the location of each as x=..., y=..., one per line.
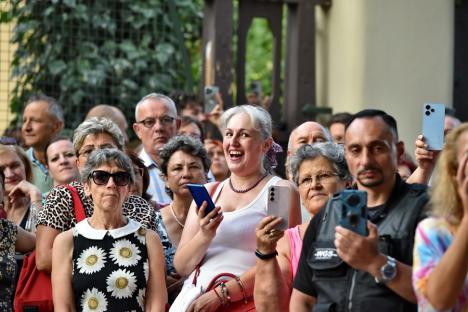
x=354, y=211
x=200, y=194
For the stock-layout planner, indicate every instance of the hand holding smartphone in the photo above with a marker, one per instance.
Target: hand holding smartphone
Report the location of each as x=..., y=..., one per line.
x=200, y=195
x=354, y=211
x=278, y=204
x=433, y=126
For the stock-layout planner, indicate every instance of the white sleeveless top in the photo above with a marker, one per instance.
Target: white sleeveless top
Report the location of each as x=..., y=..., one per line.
x=233, y=248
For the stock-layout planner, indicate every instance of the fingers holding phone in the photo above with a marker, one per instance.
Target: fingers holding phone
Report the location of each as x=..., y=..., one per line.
x=268, y=234
x=209, y=222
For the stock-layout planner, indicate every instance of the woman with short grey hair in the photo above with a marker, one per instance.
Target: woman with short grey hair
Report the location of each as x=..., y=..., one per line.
x=58, y=212
x=319, y=171
x=108, y=261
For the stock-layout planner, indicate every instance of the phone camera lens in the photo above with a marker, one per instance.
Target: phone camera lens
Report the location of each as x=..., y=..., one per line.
x=353, y=200
x=428, y=106
x=272, y=198
x=428, y=113
x=432, y=110
x=353, y=219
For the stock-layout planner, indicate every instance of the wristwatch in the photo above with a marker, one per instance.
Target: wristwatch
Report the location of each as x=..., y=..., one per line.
x=387, y=272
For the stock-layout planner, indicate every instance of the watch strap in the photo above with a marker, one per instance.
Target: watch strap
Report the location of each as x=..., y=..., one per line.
x=265, y=256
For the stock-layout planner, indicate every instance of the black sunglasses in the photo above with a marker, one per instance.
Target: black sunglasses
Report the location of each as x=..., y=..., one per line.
x=120, y=178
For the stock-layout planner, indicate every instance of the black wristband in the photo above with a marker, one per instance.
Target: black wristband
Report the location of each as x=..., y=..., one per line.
x=265, y=256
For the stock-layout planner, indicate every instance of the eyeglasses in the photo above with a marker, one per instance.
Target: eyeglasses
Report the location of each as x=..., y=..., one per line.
x=101, y=177
x=151, y=121
x=321, y=178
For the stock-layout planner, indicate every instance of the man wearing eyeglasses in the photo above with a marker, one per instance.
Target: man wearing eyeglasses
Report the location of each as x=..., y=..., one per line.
x=156, y=122
x=42, y=121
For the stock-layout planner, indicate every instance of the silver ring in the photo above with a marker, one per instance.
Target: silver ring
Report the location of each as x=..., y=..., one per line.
x=209, y=221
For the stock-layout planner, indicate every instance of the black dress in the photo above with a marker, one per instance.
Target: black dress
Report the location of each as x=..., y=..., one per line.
x=110, y=268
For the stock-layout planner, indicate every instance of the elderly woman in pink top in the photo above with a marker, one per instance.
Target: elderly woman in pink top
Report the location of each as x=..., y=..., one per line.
x=320, y=171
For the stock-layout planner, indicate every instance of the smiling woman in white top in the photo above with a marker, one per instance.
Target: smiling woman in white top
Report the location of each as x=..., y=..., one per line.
x=224, y=239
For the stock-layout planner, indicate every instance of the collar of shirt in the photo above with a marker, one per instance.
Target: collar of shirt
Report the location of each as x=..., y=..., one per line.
x=30, y=153
x=147, y=160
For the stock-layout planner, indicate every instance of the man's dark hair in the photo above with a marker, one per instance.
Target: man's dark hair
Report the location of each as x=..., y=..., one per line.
x=450, y=112
x=370, y=113
x=54, y=108
x=182, y=99
x=342, y=118
x=187, y=120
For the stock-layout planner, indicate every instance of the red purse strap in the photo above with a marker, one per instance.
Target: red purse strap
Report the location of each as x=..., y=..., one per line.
x=77, y=204
x=221, y=277
x=197, y=268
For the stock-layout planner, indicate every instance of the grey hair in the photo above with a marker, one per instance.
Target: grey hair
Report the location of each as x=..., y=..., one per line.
x=260, y=119
x=331, y=151
x=156, y=97
x=106, y=156
x=54, y=109
x=187, y=145
x=96, y=125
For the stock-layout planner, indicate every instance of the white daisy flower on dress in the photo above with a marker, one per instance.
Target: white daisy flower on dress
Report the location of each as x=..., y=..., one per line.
x=141, y=298
x=146, y=269
x=91, y=260
x=141, y=235
x=121, y=284
x=93, y=301
x=124, y=253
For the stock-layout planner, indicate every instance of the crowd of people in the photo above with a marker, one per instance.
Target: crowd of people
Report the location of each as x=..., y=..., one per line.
x=114, y=225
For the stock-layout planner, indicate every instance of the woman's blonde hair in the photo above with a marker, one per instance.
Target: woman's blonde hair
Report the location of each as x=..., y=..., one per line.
x=22, y=156
x=446, y=201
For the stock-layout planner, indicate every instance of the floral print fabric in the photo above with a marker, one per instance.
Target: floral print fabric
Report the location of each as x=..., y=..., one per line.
x=8, y=232
x=110, y=274
x=433, y=238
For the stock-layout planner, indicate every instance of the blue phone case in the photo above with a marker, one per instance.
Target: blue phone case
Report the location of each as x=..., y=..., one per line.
x=354, y=211
x=200, y=194
x=433, y=125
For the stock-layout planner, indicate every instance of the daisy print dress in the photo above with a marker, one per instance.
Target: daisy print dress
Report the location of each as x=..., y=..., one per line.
x=110, y=268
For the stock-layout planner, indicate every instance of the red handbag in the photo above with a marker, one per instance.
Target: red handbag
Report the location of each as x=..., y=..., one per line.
x=34, y=288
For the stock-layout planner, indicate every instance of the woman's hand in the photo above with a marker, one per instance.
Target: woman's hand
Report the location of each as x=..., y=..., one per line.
x=24, y=188
x=209, y=223
x=267, y=234
x=207, y=302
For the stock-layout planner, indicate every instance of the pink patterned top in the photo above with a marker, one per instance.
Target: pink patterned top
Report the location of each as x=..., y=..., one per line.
x=295, y=244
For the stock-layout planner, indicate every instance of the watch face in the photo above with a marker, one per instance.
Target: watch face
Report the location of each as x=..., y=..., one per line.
x=389, y=271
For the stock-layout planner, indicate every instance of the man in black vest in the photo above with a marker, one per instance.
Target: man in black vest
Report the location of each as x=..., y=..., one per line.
x=340, y=270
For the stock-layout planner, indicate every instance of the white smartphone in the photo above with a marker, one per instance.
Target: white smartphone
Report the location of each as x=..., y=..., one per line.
x=279, y=199
x=433, y=125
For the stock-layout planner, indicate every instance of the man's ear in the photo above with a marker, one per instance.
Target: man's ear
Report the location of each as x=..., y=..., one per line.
x=136, y=129
x=400, y=149
x=57, y=126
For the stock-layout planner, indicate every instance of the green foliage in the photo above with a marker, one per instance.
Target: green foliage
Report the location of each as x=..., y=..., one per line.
x=89, y=52
x=259, y=58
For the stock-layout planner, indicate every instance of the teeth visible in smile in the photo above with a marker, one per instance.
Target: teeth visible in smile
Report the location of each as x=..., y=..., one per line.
x=235, y=153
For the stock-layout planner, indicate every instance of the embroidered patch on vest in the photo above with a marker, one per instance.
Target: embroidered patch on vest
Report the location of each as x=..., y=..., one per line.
x=323, y=254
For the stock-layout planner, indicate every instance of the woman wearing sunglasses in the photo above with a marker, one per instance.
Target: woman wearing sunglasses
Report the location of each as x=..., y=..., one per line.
x=108, y=262
x=58, y=215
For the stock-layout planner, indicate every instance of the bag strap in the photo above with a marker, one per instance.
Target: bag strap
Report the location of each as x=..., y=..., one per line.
x=221, y=277
x=77, y=204
x=197, y=268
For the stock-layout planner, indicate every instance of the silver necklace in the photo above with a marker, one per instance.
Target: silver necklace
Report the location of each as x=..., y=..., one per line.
x=175, y=218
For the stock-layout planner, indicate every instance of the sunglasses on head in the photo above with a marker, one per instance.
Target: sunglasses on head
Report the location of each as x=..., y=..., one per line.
x=101, y=177
x=8, y=141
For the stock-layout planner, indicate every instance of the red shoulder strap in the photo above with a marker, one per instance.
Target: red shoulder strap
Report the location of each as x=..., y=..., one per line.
x=77, y=204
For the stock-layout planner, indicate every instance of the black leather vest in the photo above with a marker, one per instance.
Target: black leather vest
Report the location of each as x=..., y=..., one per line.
x=342, y=288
